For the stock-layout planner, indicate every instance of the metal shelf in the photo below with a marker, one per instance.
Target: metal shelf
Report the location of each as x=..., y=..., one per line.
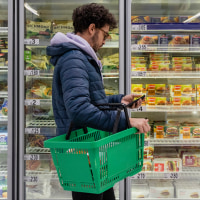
x=142, y=48
x=165, y=27
x=168, y=109
x=192, y=174
x=165, y=74
x=36, y=150
x=174, y=142
x=44, y=43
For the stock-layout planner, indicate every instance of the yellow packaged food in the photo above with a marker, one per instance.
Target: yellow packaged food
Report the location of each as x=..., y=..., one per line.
x=62, y=26
x=160, y=88
x=161, y=101
x=186, y=89
x=187, y=67
x=137, y=88
x=186, y=101
x=138, y=67
x=37, y=29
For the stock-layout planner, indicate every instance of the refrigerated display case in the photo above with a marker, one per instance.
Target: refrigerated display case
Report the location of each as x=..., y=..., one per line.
x=163, y=63
x=41, y=20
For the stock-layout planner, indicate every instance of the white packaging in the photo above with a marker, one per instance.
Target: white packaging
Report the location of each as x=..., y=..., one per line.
x=139, y=191
x=187, y=190
x=161, y=189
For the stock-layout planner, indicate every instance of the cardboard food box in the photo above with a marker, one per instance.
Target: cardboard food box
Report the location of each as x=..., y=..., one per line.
x=191, y=159
x=137, y=88
x=161, y=189
x=167, y=165
x=140, y=19
x=185, y=132
x=151, y=40
x=147, y=165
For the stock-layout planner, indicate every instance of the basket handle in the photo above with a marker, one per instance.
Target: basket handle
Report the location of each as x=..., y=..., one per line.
x=110, y=106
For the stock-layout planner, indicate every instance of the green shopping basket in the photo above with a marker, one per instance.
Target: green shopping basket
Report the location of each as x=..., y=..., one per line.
x=95, y=161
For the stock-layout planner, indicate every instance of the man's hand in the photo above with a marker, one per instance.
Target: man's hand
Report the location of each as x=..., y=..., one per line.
x=141, y=124
x=129, y=98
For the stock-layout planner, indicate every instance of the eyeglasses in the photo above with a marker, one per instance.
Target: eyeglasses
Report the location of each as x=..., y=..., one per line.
x=106, y=34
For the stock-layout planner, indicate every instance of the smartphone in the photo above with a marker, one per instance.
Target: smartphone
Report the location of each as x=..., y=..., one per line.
x=135, y=101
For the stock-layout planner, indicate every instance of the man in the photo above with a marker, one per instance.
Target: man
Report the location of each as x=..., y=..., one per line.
x=77, y=82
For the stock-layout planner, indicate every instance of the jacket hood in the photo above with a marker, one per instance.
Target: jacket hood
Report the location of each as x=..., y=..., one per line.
x=62, y=43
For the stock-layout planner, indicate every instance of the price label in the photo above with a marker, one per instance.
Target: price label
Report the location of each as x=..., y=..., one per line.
x=141, y=27
x=31, y=72
x=136, y=73
x=139, y=176
x=32, y=102
x=139, y=47
x=32, y=130
x=146, y=143
x=31, y=41
x=140, y=109
x=33, y=179
x=174, y=175
x=32, y=157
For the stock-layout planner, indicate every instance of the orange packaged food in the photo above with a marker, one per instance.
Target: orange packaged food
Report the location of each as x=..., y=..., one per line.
x=151, y=101
x=151, y=88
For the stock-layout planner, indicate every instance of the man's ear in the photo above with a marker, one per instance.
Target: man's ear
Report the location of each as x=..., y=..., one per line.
x=91, y=29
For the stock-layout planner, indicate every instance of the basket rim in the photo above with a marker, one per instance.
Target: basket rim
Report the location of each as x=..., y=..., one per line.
x=54, y=143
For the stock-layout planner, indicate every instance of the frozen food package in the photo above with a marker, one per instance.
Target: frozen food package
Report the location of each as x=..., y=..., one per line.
x=140, y=19
x=38, y=29
x=182, y=90
x=159, y=131
x=137, y=88
x=147, y=165
x=57, y=192
x=187, y=189
x=182, y=19
x=184, y=132
x=62, y=26
x=138, y=67
x=195, y=40
x=171, y=132
x=164, y=39
x=139, y=191
x=167, y=165
x=191, y=159
x=38, y=165
x=151, y=89
x=148, y=39
x=161, y=101
x=195, y=132
x=148, y=152
x=39, y=190
x=161, y=189
x=179, y=42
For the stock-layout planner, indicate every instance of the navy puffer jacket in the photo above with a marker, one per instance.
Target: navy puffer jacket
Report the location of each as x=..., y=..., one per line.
x=77, y=86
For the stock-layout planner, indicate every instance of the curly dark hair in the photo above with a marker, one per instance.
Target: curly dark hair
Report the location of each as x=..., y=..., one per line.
x=88, y=14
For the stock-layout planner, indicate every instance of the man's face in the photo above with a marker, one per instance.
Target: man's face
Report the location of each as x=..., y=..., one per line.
x=99, y=37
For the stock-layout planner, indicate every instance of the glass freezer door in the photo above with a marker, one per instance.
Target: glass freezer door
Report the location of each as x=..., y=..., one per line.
x=3, y=98
x=164, y=48
x=42, y=20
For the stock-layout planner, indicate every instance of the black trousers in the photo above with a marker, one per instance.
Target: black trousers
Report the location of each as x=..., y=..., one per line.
x=107, y=195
